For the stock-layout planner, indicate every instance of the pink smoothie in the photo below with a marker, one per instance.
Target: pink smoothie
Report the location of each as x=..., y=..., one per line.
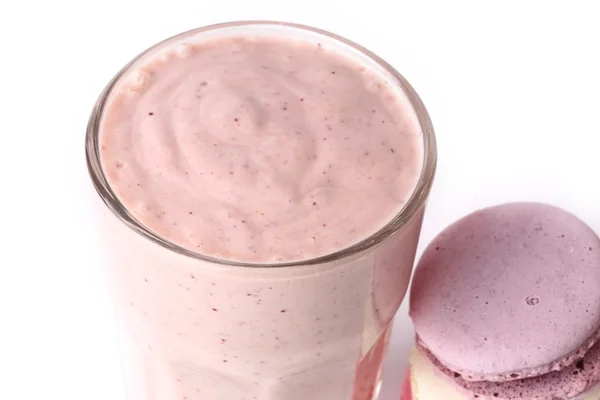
x=260, y=149
x=257, y=148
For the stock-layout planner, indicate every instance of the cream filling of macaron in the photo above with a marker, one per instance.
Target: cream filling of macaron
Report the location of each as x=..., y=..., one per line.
x=429, y=383
x=584, y=378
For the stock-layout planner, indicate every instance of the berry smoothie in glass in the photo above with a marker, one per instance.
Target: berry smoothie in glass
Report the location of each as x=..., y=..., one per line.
x=261, y=188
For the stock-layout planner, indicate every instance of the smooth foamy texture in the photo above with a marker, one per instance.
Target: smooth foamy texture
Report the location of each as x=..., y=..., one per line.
x=259, y=149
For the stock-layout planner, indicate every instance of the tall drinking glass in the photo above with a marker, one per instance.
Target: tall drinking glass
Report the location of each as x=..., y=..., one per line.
x=195, y=327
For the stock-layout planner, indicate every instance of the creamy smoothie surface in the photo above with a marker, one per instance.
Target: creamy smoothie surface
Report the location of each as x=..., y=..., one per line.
x=258, y=148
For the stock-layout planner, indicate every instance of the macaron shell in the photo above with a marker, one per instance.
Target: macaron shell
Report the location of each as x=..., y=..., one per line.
x=573, y=382
x=508, y=292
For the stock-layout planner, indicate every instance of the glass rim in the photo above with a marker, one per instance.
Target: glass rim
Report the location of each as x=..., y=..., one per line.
x=414, y=204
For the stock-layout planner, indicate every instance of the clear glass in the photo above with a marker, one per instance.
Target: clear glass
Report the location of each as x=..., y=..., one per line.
x=198, y=328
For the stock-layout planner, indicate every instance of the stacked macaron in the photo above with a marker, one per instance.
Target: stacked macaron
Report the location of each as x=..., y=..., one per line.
x=506, y=306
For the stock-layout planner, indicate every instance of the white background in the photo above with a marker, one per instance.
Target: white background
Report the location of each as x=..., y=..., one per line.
x=513, y=89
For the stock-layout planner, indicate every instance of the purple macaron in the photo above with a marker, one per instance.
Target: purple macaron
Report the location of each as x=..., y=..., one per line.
x=506, y=303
